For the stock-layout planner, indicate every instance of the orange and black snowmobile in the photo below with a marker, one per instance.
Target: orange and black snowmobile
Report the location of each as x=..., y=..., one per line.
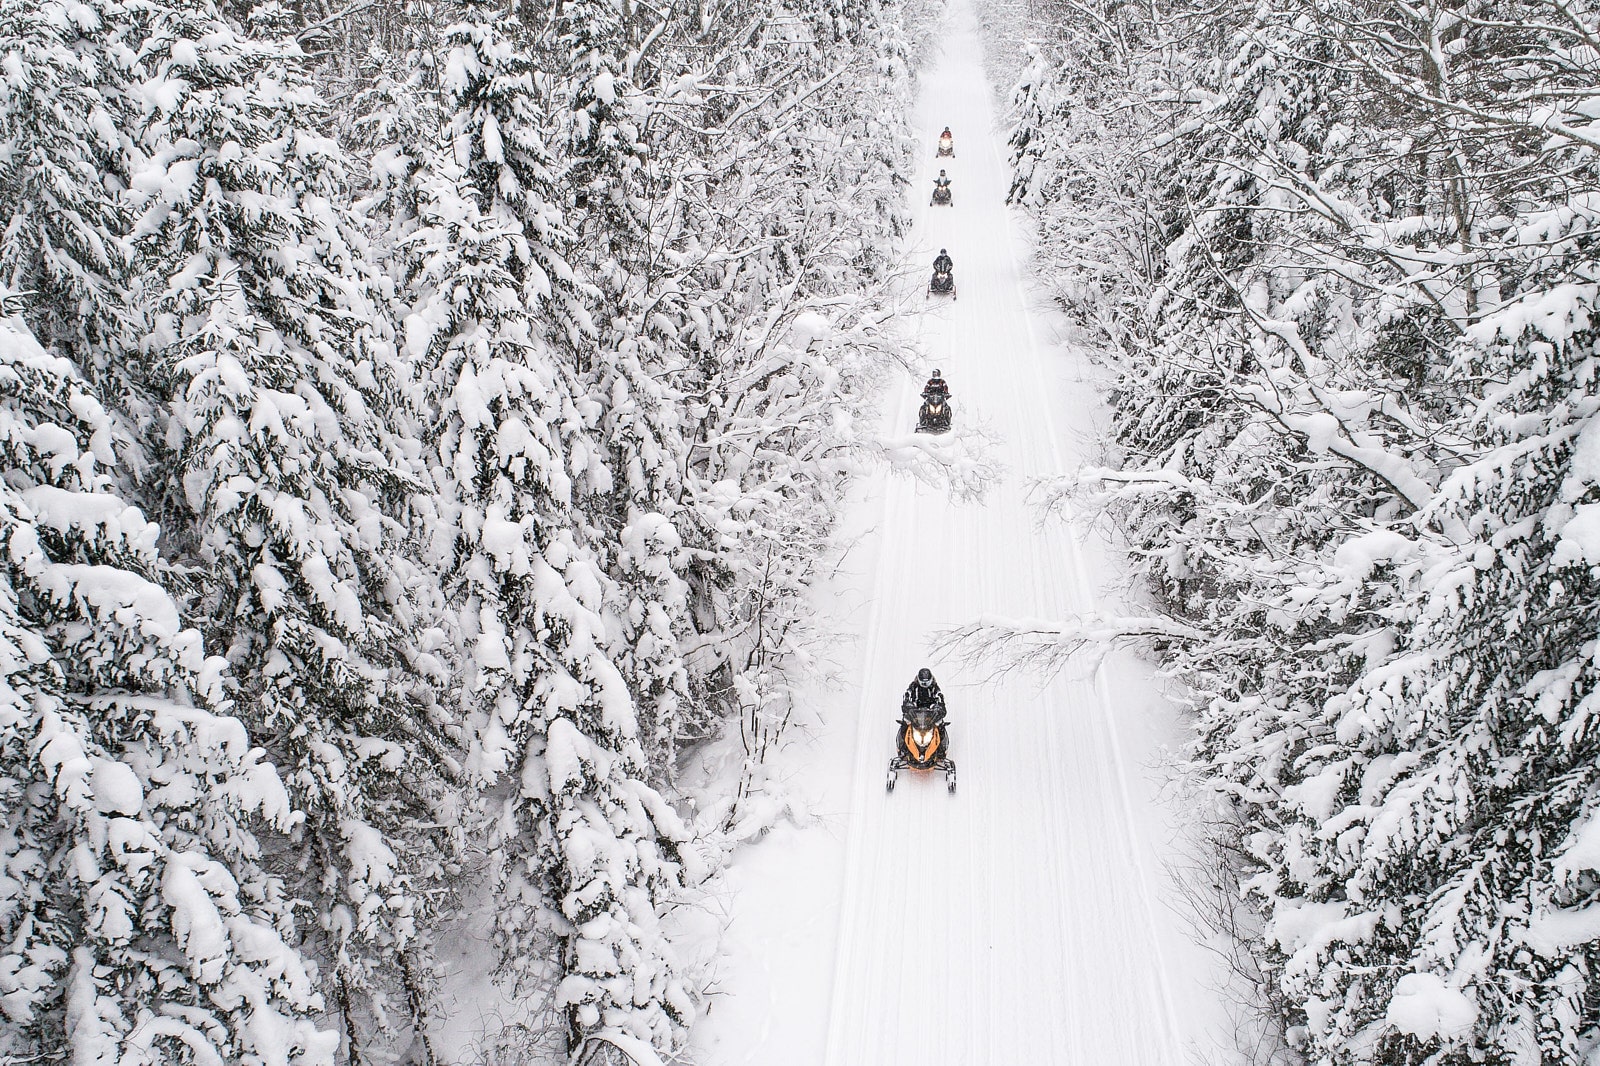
x=923, y=743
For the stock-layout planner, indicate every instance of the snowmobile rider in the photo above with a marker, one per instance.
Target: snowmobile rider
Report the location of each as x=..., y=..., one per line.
x=924, y=692
x=936, y=386
x=942, y=263
x=941, y=182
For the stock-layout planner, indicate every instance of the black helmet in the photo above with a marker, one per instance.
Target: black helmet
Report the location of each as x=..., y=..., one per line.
x=924, y=677
x=941, y=172
x=943, y=252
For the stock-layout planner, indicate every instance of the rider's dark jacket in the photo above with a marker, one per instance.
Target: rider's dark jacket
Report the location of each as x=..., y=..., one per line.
x=917, y=696
x=942, y=264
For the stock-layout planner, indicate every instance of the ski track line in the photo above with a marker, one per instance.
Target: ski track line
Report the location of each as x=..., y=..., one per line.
x=849, y=906
x=1063, y=1033
x=1066, y=1031
x=1083, y=588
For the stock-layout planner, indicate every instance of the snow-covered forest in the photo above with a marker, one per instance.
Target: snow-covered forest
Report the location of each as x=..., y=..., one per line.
x=1342, y=262
x=424, y=426
x=421, y=424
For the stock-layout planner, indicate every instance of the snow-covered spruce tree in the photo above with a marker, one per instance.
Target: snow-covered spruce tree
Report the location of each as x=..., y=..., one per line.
x=603, y=156
x=64, y=125
x=1432, y=859
x=388, y=126
x=288, y=493
x=627, y=366
x=585, y=850
x=137, y=920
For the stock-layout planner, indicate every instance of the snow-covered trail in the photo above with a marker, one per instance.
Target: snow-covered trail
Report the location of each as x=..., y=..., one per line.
x=1019, y=920
x=1012, y=922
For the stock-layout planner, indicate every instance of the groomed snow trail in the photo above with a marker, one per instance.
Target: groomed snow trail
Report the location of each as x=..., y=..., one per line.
x=1021, y=920
x=1012, y=922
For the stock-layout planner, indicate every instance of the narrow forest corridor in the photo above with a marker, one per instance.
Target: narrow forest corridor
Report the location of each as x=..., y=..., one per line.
x=1019, y=920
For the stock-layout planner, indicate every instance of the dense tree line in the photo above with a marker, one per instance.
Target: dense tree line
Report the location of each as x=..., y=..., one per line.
x=420, y=427
x=1340, y=257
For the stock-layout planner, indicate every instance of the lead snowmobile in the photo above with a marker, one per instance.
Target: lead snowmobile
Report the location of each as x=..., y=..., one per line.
x=922, y=742
x=947, y=146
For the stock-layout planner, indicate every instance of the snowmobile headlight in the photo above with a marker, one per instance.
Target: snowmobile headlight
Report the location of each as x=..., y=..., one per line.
x=924, y=737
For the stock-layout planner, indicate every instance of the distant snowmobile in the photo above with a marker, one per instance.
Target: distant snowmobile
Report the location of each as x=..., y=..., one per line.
x=944, y=275
x=947, y=146
x=934, y=414
x=922, y=743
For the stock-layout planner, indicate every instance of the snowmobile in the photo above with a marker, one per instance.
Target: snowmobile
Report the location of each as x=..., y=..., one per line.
x=943, y=284
x=922, y=742
x=941, y=194
x=947, y=146
x=934, y=414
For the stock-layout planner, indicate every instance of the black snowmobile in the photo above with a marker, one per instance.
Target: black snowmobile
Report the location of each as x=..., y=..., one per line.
x=943, y=283
x=941, y=194
x=922, y=742
x=934, y=414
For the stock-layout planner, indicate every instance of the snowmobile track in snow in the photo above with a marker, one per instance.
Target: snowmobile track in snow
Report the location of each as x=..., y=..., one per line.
x=1010, y=922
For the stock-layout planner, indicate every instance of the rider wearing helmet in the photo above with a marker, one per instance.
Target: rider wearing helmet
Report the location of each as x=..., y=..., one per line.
x=936, y=384
x=942, y=180
x=924, y=691
x=942, y=263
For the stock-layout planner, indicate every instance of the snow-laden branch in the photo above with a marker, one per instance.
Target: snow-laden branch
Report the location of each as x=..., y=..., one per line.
x=962, y=462
x=1006, y=646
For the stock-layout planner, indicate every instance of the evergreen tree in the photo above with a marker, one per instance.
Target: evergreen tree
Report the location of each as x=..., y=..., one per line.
x=65, y=126
x=138, y=920
x=585, y=849
x=64, y=121
x=628, y=364
x=284, y=399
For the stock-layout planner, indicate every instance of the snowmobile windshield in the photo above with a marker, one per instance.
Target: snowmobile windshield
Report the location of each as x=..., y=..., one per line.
x=925, y=717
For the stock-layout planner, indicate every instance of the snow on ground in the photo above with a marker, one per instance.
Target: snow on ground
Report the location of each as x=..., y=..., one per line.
x=1027, y=918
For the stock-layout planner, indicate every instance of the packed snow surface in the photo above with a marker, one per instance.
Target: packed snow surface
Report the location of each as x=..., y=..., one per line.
x=1026, y=918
